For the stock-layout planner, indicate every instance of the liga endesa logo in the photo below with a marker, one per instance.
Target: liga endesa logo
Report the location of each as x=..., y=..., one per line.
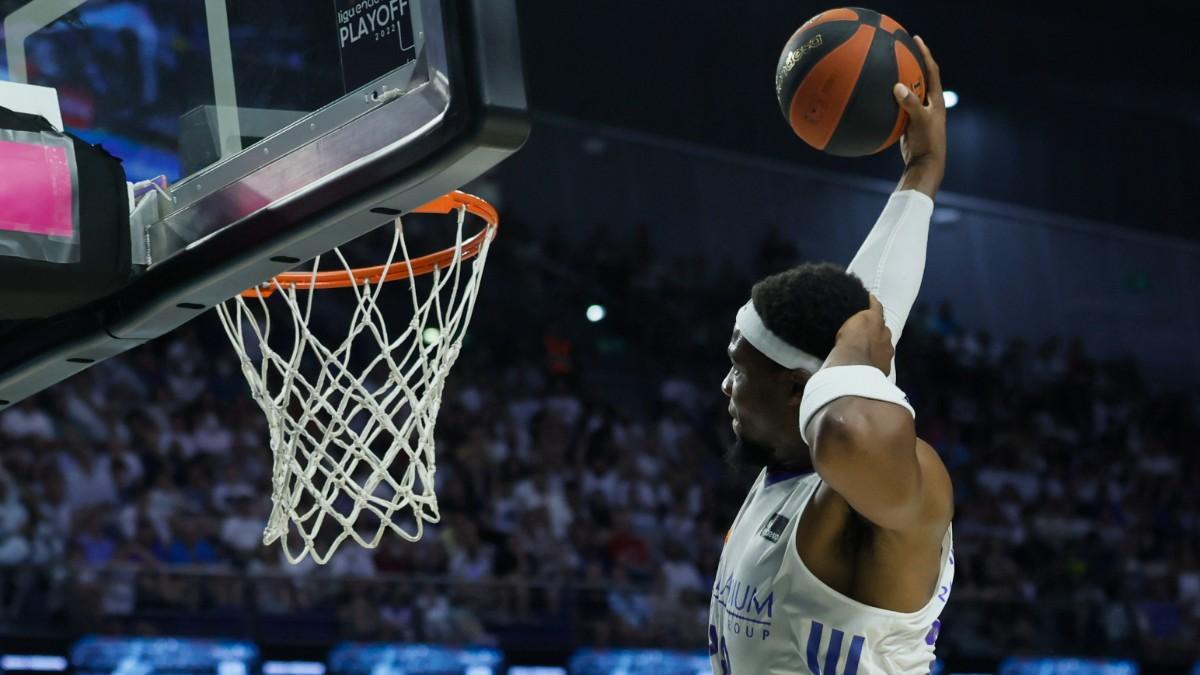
x=374, y=19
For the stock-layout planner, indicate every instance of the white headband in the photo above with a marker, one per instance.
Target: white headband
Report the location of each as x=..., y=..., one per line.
x=774, y=347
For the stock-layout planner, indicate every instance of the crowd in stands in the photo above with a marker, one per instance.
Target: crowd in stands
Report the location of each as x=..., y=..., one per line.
x=582, y=485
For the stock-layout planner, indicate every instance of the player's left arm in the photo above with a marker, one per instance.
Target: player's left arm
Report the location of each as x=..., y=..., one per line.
x=891, y=261
x=864, y=444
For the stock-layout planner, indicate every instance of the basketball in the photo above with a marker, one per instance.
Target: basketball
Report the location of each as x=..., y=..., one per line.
x=834, y=81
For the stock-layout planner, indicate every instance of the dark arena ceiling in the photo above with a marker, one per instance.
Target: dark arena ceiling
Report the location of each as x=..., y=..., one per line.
x=1083, y=109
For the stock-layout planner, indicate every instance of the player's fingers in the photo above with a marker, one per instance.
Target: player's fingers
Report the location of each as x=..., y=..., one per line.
x=876, y=307
x=907, y=99
x=931, y=66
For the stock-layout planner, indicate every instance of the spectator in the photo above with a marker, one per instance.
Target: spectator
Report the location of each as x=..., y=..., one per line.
x=435, y=611
x=190, y=544
x=15, y=544
x=541, y=491
x=680, y=575
x=355, y=561
x=27, y=420
x=88, y=475
x=95, y=539
x=398, y=616
x=630, y=607
x=472, y=561
x=242, y=529
x=627, y=549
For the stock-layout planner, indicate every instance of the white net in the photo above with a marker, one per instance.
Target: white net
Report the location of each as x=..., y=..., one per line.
x=352, y=419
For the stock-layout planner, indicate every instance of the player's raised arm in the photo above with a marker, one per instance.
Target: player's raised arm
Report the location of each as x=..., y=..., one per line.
x=891, y=261
x=860, y=429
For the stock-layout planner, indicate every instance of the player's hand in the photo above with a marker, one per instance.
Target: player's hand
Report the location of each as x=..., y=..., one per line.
x=864, y=340
x=925, y=139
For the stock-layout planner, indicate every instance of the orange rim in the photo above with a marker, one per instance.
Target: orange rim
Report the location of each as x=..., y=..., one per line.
x=396, y=271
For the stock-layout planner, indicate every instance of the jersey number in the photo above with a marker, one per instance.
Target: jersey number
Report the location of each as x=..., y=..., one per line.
x=715, y=647
x=833, y=651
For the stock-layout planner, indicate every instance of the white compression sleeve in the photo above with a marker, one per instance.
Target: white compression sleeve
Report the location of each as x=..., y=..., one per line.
x=891, y=262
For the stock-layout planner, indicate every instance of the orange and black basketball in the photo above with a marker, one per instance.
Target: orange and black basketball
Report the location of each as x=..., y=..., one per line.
x=835, y=77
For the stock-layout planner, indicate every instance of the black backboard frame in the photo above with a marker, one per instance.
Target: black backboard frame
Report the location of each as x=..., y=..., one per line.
x=485, y=122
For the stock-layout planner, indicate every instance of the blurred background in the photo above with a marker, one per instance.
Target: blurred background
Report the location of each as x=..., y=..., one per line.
x=1052, y=360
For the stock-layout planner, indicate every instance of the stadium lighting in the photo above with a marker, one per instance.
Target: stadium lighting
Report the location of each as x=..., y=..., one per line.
x=596, y=313
x=430, y=335
x=951, y=98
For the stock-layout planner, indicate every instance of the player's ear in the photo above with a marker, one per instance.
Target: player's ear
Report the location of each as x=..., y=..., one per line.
x=797, y=379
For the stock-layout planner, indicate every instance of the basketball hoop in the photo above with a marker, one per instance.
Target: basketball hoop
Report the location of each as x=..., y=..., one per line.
x=339, y=429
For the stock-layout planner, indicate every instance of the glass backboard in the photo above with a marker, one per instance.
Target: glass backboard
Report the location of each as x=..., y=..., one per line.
x=176, y=87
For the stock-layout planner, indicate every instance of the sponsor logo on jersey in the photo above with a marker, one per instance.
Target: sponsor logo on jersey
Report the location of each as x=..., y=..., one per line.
x=773, y=529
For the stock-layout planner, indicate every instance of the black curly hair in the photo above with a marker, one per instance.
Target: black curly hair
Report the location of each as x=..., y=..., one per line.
x=807, y=304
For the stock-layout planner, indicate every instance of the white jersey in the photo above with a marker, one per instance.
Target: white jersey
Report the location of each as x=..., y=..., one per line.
x=770, y=615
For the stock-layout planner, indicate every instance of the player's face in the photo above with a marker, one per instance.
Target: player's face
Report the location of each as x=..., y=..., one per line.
x=758, y=401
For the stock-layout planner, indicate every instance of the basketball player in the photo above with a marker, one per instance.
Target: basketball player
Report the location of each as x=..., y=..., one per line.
x=840, y=560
